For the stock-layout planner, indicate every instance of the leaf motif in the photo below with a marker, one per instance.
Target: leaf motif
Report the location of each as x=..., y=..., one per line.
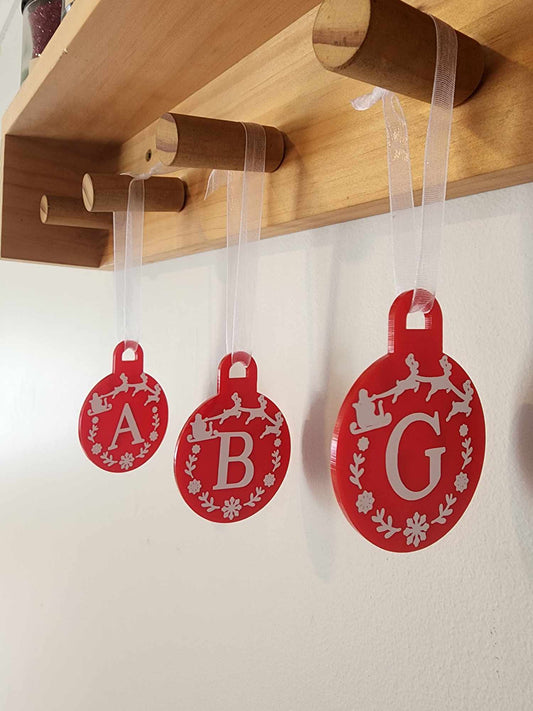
x=107, y=459
x=208, y=502
x=357, y=470
x=384, y=527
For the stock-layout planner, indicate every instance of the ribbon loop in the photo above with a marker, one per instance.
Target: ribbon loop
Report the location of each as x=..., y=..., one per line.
x=417, y=251
x=128, y=229
x=244, y=208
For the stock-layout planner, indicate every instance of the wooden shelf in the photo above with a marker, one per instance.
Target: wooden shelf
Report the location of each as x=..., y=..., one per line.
x=91, y=102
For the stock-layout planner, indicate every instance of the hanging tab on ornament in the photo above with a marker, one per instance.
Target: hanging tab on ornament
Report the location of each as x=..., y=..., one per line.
x=417, y=250
x=244, y=209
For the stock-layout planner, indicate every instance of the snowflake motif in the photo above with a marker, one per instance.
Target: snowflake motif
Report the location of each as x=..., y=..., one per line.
x=154, y=409
x=196, y=449
x=363, y=443
x=365, y=501
x=153, y=436
x=461, y=481
x=277, y=442
x=194, y=486
x=231, y=508
x=96, y=448
x=416, y=528
x=94, y=420
x=126, y=461
x=463, y=430
x=269, y=480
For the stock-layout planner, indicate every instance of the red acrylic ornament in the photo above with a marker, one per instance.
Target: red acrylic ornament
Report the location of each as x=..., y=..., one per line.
x=234, y=450
x=409, y=440
x=124, y=418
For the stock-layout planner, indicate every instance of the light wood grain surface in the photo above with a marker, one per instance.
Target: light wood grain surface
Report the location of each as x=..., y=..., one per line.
x=335, y=164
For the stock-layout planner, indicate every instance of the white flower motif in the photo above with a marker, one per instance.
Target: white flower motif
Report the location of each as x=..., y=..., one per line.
x=194, y=486
x=365, y=501
x=415, y=530
x=96, y=448
x=231, y=508
x=126, y=461
x=463, y=430
x=277, y=442
x=154, y=409
x=153, y=435
x=196, y=449
x=94, y=420
x=461, y=481
x=363, y=443
x=269, y=480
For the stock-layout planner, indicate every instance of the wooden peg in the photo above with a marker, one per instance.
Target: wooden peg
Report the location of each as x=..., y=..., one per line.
x=71, y=212
x=103, y=192
x=196, y=142
x=390, y=44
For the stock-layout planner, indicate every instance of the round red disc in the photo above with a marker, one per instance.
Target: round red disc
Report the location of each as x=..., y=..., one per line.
x=124, y=417
x=233, y=452
x=409, y=440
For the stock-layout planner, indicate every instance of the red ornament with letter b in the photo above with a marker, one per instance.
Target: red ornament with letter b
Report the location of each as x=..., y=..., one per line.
x=409, y=440
x=124, y=417
x=233, y=452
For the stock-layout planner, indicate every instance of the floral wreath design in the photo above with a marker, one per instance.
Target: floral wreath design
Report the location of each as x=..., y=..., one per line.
x=99, y=404
x=416, y=526
x=202, y=429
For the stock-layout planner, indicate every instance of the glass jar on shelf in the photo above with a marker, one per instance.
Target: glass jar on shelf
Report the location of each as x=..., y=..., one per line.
x=40, y=19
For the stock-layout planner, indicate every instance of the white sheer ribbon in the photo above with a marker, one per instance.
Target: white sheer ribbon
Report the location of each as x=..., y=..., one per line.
x=417, y=252
x=128, y=231
x=243, y=230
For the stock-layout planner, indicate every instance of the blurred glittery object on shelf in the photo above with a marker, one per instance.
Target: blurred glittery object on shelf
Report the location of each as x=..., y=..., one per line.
x=40, y=19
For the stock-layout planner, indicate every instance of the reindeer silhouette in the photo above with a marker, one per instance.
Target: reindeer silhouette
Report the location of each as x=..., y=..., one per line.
x=234, y=411
x=463, y=406
x=275, y=427
x=255, y=412
x=440, y=382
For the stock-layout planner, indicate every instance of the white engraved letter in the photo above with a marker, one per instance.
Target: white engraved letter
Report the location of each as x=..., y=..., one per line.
x=132, y=427
x=224, y=460
x=434, y=456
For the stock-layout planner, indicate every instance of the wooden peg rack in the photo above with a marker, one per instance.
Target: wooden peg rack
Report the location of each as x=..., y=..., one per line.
x=92, y=105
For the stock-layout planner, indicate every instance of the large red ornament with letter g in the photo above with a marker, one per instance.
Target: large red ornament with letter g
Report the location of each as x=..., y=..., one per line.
x=233, y=452
x=124, y=417
x=409, y=441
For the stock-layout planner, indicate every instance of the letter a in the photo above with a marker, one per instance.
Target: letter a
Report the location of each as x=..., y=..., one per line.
x=132, y=427
x=224, y=459
x=434, y=456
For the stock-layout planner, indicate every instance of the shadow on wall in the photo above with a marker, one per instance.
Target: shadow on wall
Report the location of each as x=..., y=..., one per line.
x=521, y=440
x=327, y=387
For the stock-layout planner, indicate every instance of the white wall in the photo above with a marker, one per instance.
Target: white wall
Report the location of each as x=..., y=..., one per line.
x=10, y=49
x=114, y=595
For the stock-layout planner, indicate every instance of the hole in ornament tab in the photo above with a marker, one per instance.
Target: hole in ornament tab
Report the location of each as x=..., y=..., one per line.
x=237, y=370
x=129, y=354
x=416, y=321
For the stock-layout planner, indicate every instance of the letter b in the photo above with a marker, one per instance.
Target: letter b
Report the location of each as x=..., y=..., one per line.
x=224, y=460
